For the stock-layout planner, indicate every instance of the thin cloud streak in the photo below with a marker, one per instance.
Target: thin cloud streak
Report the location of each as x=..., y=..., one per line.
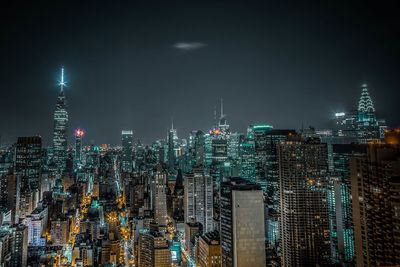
x=185, y=46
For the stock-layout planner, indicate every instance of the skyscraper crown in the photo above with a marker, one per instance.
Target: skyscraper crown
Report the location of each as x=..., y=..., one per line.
x=365, y=103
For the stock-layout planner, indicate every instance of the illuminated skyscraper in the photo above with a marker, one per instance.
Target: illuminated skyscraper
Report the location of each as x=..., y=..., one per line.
x=78, y=148
x=375, y=190
x=159, y=197
x=28, y=161
x=242, y=223
x=247, y=165
x=60, y=128
x=172, y=135
x=127, y=145
x=260, y=144
x=198, y=200
x=271, y=141
x=367, y=125
x=304, y=209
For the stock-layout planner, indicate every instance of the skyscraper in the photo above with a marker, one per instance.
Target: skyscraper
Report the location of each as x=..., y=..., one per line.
x=159, y=195
x=375, y=190
x=28, y=162
x=60, y=129
x=260, y=144
x=19, y=248
x=153, y=249
x=304, y=209
x=127, y=146
x=78, y=148
x=242, y=223
x=198, y=200
x=208, y=252
x=172, y=135
x=367, y=124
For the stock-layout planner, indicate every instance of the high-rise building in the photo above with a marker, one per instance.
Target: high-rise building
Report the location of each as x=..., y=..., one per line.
x=247, y=163
x=199, y=148
x=375, y=190
x=153, y=249
x=28, y=158
x=78, y=148
x=127, y=150
x=159, y=195
x=10, y=194
x=192, y=230
x=242, y=223
x=367, y=124
x=208, y=251
x=172, y=136
x=59, y=231
x=339, y=201
x=304, y=209
x=198, y=198
x=271, y=141
x=19, y=248
x=60, y=129
x=260, y=146
x=37, y=224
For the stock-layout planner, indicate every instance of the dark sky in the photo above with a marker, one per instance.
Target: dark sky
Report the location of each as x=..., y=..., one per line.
x=136, y=64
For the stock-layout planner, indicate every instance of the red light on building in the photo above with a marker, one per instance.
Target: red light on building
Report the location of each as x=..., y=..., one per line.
x=79, y=132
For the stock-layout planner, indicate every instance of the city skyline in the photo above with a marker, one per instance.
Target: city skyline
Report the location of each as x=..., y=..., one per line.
x=136, y=72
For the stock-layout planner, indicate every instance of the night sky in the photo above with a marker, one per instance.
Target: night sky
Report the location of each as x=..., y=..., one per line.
x=136, y=65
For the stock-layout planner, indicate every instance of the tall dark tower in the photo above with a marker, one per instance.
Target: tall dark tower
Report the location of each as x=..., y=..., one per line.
x=171, y=148
x=60, y=128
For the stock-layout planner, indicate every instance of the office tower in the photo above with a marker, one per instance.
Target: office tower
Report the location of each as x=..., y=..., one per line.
x=59, y=231
x=339, y=201
x=178, y=199
x=345, y=124
x=5, y=246
x=172, y=136
x=247, y=163
x=198, y=198
x=375, y=190
x=159, y=195
x=19, y=245
x=192, y=230
x=304, y=209
x=199, y=148
x=208, y=252
x=153, y=250
x=78, y=148
x=127, y=150
x=37, y=224
x=260, y=146
x=242, y=223
x=271, y=141
x=219, y=157
x=10, y=194
x=28, y=161
x=60, y=129
x=234, y=141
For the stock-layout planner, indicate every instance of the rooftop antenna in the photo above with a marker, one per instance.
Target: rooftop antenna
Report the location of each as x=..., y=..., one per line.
x=222, y=108
x=215, y=115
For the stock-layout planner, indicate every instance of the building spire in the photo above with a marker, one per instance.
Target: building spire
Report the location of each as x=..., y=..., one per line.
x=365, y=103
x=172, y=123
x=222, y=108
x=62, y=82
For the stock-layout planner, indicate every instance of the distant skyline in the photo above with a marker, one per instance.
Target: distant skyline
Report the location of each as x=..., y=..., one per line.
x=136, y=65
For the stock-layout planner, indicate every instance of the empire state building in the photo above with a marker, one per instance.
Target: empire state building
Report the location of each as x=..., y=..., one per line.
x=60, y=129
